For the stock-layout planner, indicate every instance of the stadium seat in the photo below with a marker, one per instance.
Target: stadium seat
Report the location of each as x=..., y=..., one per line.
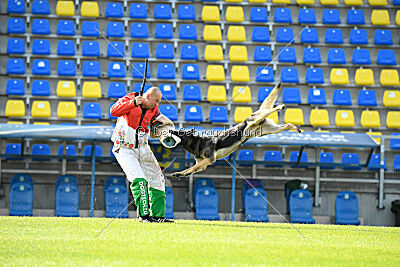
x=264, y=74
x=212, y=33
x=370, y=119
x=210, y=13
x=12, y=151
x=262, y=53
x=309, y=36
x=391, y=98
x=116, y=197
x=115, y=29
x=314, y=75
x=333, y=36
x=216, y=93
x=91, y=49
x=16, y=6
x=15, y=108
x=241, y=113
x=191, y=93
x=190, y=72
x=273, y=158
x=16, y=25
x=66, y=110
x=188, y=32
x=163, y=31
x=162, y=11
x=358, y=36
x=311, y=55
x=89, y=9
x=344, y=118
x=213, y=53
x=383, y=37
x=166, y=71
x=316, y=96
x=284, y=35
x=70, y=150
x=326, y=158
x=240, y=73
x=238, y=53
x=202, y=182
x=260, y=34
x=305, y=2
x=170, y=111
x=287, y=54
x=353, y=2
x=331, y=16
x=65, y=8
x=289, y=75
x=215, y=73
x=294, y=115
x=234, y=14
x=138, y=86
x=367, y=98
x=66, y=48
x=115, y=49
x=291, y=96
x=186, y=12
x=364, y=77
x=301, y=207
x=21, y=195
x=386, y=57
x=396, y=163
x=346, y=208
x=168, y=91
x=90, y=28
x=66, y=68
x=241, y=94
x=41, y=109
x=40, y=150
x=41, y=67
x=91, y=89
x=40, y=26
x=398, y=17
x=91, y=69
x=116, y=70
x=307, y=16
x=218, y=115
x=15, y=87
x=207, y=204
x=361, y=57
x=142, y=50
x=41, y=47
x=256, y=205
x=66, y=89
x=92, y=111
x=282, y=15
x=380, y=17
x=319, y=117
x=114, y=10
x=15, y=66
x=258, y=14
x=393, y=119
x=15, y=46
x=193, y=113
x=236, y=34
x=87, y=152
x=336, y=56
x=138, y=11
x=329, y=2
x=355, y=17
x=139, y=30
x=67, y=196
x=169, y=205
x=116, y=89
x=374, y=163
x=389, y=77
x=189, y=51
x=341, y=97
x=339, y=76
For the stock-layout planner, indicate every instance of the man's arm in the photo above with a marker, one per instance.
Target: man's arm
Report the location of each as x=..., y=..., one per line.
x=123, y=105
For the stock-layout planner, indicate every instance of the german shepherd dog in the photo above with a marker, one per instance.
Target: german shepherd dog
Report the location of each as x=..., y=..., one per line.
x=207, y=149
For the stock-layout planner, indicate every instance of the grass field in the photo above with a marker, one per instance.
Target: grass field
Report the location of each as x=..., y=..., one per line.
x=126, y=242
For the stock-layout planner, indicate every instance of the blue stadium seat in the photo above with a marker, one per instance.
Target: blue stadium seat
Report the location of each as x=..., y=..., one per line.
x=291, y=96
x=169, y=205
x=314, y=75
x=355, y=17
x=351, y=159
x=21, y=195
x=218, y=114
x=284, y=35
x=201, y=182
x=361, y=56
x=188, y=32
x=395, y=143
x=396, y=163
x=15, y=66
x=66, y=27
x=186, y=12
x=91, y=69
x=15, y=87
x=374, y=163
x=15, y=25
x=11, y=150
x=256, y=205
x=383, y=37
x=116, y=197
x=87, y=152
x=90, y=28
x=166, y=71
x=189, y=51
x=162, y=11
x=326, y=158
x=116, y=49
x=40, y=150
x=245, y=155
x=111, y=117
x=336, y=56
x=70, y=150
x=66, y=48
x=191, y=92
x=331, y=16
x=346, y=208
x=138, y=11
x=90, y=49
x=165, y=51
x=41, y=7
x=116, y=70
x=41, y=88
x=311, y=55
x=358, y=36
x=303, y=160
x=16, y=6
x=301, y=204
x=287, y=54
x=114, y=10
x=309, y=36
x=207, y=204
x=66, y=68
x=341, y=97
x=190, y=72
x=386, y=57
x=333, y=36
x=263, y=93
x=258, y=14
x=316, y=96
x=115, y=29
x=264, y=74
x=262, y=54
x=41, y=47
x=282, y=15
x=289, y=75
x=193, y=113
x=307, y=16
x=274, y=159
x=67, y=196
x=138, y=86
x=15, y=46
x=367, y=98
x=168, y=91
x=163, y=31
x=140, y=50
x=92, y=111
x=41, y=26
x=396, y=2
x=170, y=111
x=41, y=67
x=260, y=34
x=249, y=184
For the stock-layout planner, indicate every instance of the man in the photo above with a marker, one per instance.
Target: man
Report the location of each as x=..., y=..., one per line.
x=135, y=114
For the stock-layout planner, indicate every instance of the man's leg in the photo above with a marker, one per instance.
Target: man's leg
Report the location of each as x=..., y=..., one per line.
x=157, y=202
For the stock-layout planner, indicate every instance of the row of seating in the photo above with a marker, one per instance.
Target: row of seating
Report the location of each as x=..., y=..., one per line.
x=63, y=8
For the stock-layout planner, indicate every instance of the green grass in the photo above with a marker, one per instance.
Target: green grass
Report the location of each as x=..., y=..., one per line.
x=126, y=242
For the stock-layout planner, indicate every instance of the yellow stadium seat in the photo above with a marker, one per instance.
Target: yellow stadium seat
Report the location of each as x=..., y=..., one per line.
x=240, y=74
x=389, y=77
x=210, y=13
x=236, y=34
x=66, y=110
x=319, y=117
x=380, y=17
x=15, y=122
x=234, y=14
x=257, y=1
x=398, y=17
x=393, y=119
x=329, y=2
x=321, y=131
x=344, y=118
x=65, y=8
x=216, y=93
x=212, y=33
x=66, y=89
x=274, y=117
x=339, y=76
x=305, y=2
x=41, y=109
x=294, y=115
x=281, y=1
x=215, y=73
x=241, y=113
x=377, y=2
x=391, y=98
x=233, y=1
x=241, y=94
x=213, y=53
x=375, y=135
x=353, y=2
x=238, y=53
x=41, y=123
x=370, y=119
x=364, y=77
x=90, y=9
x=15, y=108
x=91, y=90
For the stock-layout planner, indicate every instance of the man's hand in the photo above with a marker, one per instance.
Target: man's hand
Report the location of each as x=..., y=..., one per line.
x=139, y=100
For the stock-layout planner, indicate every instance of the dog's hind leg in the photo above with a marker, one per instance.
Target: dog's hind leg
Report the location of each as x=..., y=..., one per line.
x=270, y=127
x=260, y=115
x=199, y=166
x=268, y=103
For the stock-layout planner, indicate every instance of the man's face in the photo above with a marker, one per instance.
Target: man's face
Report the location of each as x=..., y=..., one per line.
x=152, y=100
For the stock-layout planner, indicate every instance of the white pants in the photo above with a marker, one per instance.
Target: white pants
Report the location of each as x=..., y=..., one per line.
x=140, y=163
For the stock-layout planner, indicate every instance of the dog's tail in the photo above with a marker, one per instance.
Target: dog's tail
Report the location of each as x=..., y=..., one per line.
x=268, y=103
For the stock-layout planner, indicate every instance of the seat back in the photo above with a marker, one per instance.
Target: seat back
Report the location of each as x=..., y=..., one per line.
x=169, y=204
x=291, y=96
x=201, y=182
x=341, y=97
x=207, y=204
x=140, y=50
x=21, y=196
x=189, y=51
x=163, y=31
x=191, y=93
x=170, y=111
x=165, y=51
x=346, y=208
x=351, y=161
x=331, y=16
x=256, y=206
x=361, y=56
x=116, y=197
x=316, y=96
x=274, y=156
x=307, y=16
x=92, y=111
x=41, y=88
x=218, y=114
x=367, y=98
x=67, y=196
x=301, y=206
x=193, y=113
x=327, y=159
x=311, y=55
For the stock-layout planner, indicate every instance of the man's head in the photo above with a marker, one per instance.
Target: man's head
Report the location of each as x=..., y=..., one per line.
x=152, y=98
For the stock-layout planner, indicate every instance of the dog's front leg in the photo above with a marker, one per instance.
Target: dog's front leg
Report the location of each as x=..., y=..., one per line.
x=199, y=166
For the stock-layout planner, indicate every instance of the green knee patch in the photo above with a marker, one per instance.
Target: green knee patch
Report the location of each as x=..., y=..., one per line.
x=157, y=202
x=139, y=188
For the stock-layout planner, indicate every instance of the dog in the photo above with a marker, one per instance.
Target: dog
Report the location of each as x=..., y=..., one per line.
x=207, y=149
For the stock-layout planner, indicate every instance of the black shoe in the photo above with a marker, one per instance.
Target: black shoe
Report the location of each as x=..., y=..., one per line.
x=163, y=220
x=147, y=219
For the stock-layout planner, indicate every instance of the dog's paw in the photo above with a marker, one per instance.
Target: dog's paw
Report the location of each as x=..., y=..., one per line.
x=178, y=174
x=281, y=107
x=299, y=130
